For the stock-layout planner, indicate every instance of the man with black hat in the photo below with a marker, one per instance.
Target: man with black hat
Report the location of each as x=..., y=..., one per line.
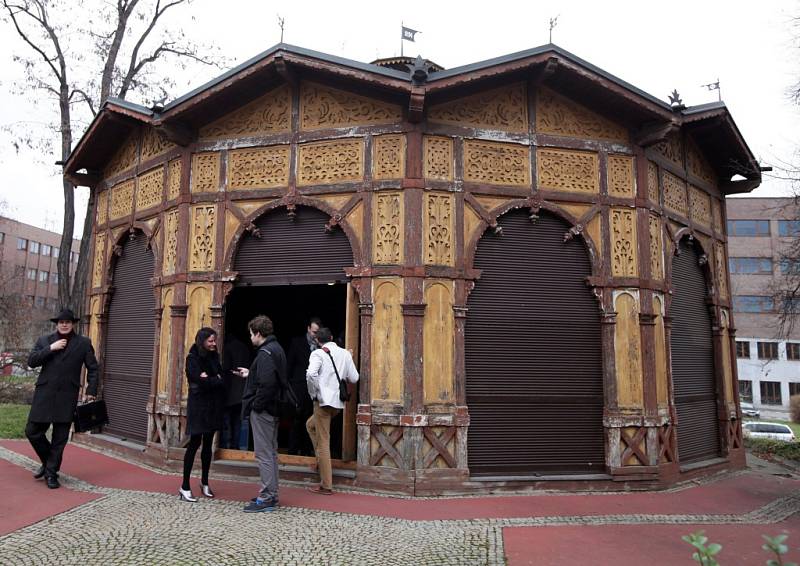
x=61, y=356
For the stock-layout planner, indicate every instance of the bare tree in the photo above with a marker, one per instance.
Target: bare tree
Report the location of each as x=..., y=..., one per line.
x=80, y=53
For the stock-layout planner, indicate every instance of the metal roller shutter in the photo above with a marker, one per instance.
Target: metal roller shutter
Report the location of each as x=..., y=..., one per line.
x=128, y=366
x=692, y=350
x=533, y=354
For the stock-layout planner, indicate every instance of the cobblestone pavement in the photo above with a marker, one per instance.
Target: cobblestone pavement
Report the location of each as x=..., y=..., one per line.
x=135, y=527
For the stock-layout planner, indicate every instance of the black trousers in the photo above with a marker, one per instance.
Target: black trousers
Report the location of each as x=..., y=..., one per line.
x=49, y=452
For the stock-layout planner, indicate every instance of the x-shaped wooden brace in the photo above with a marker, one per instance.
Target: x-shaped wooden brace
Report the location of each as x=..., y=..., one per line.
x=734, y=434
x=632, y=445
x=665, y=453
x=386, y=447
x=439, y=447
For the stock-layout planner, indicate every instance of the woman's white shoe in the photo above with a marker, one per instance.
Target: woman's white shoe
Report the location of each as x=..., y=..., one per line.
x=186, y=495
x=206, y=491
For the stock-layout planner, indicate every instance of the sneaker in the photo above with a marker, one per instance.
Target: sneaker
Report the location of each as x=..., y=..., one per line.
x=274, y=501
x=259, y=506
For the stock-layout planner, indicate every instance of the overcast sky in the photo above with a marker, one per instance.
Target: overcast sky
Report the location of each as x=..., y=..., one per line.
x=751, y=47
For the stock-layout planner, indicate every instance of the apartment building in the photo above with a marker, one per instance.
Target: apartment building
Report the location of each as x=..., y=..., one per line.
x=768, y=360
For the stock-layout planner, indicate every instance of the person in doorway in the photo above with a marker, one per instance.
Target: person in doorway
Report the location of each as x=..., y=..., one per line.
x=61, y=355
x=235, y=355
x=266, y=378
x=204, y=407
x=326, y=367
x=299, y=352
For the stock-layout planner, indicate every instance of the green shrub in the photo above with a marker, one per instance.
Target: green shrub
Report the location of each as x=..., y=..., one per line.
x=768, y=447
x=12, y=420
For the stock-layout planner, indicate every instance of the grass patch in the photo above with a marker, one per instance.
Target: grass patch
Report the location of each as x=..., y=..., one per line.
x=768, y=447
x=13, y=419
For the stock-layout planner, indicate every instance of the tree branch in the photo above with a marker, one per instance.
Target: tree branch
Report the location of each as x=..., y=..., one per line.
x=86, y=98
x=25, y=10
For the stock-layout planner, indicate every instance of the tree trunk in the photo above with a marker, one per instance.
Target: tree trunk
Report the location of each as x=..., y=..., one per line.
x=82, y=269
x=64, y=295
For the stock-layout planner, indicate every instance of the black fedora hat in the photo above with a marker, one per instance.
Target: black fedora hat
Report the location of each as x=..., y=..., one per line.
x=65, y=314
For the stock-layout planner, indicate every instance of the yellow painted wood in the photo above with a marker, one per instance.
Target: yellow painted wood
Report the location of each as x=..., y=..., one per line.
x=165, y=348
x=351, y=341
x=471, y=223
x=662, y=388
x=628, y=352
x=198, y=315
x=386, y=381
x=438, y=347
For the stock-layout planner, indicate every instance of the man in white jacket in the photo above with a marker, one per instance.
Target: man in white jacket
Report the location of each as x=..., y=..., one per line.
x=323, y=387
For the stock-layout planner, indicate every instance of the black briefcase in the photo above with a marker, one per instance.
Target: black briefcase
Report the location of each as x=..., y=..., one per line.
x=90, y=415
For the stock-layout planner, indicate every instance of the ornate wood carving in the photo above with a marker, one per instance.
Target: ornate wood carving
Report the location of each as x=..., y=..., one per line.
x=652, y=182
x=716, y=215
x=170, y=242
x=656, y=247
x=503, y=108
x=331, y=162
x=99, y=259
x=124, y=158
x=700, y=206
x=388, y=157
x=201, y=256
x=438, y=158
x=121, y=200
x=623, y=242
x=322, y=107
x=675, y=194
x=205, y=172
x=102, y=207
x=174, y=179
x=721, y=272
x=438, y=229
x=151, y=189
x=268, y=114
x=620, y=176
x=567, y=170
x=154, y=143
x=388, y=228
x=256, y=168
x=496, y=163
x=671, y=149
x=697, y=164
x=560, y=116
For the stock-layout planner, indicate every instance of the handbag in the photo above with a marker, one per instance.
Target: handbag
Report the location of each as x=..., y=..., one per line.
x=344, y=394
x=90, y=415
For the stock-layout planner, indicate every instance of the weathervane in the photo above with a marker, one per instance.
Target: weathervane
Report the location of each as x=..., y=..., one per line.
x=715, y=86
x=553, y=23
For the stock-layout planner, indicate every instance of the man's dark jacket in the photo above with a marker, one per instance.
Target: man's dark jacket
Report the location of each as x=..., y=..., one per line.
x=59, y=381
x=266, y=380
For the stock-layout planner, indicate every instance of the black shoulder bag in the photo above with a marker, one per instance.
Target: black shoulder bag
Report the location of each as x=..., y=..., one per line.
x=344, y=394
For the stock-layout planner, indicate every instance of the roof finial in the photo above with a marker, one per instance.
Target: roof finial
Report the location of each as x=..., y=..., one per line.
x=675, y=100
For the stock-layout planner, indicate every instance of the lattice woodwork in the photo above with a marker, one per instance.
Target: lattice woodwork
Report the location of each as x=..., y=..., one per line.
x=102, y=207
x=697, y=164
x=330, y=162
x=671, y=149
x=154, y=144
x=121, y=200
x=201, y=255
x=151, y=189
x=503, y=108
x=438, y=158
x=322, y=107
x=99, y=259
x=720, y=271
x=620, y=176
x=652, y=182
x=560, y=116
x=205, y=172
x=675, y=194
x=438, y=229
x=623, y=242
x=388, y=228
x=257, y=168
x=700, y=206
x=388, y=157
x=716, y=215
x=567, y=170
x=124, y=158
x=170, y=242
x=438, y=448
x=174, y=179
x=656, y=247
x=386, y=446
x=268, y=114
x=496, y=163
x=633, y=446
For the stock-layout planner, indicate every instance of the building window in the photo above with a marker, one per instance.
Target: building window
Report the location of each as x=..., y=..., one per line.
x=767, y=350
x=31, y=274
x=745, y=391
x=790, y=267
x=46, y=250
x=753, y=303
x=788, y=227
x=2, y=238
x=54, y=278
x=73, y=257
x=33, y=247
x=22, y=244
x=19, y=270
x=771, y=393
x=748, y=227
x=750, y=265
x=743, y=349
x=39, y=302
x=794, y=389
x=55, y=251
x=792, y=351
x=44, y=276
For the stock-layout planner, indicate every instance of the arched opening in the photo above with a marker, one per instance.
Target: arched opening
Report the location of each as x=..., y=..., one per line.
x=692, y=349
x=533, y=354
x=130, y=334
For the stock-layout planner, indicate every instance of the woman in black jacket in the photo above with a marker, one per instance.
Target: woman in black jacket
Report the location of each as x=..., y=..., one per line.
x=205, y=406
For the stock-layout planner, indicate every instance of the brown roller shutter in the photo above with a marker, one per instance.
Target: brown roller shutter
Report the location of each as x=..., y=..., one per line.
x=692, y=349
x=293, y=251
x=533, y=354
x=128, y=360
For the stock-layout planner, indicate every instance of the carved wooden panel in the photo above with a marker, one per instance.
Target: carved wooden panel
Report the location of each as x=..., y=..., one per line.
x=438, y=344
x=151, y=189
x=165, y=345
x=623, y=242
x=174, y=179
x=205, y=172
x=438, y=229
x=720, y=271
x=99, y=259
x=496, y=163
x=154, y=144
x=256, y=168
x=652, y=182
x=203, y=238
x=700, y=206
x=267, y=114
x=662, y=388
x=503, y=108
x=170, y=242
x=716, y=215
x=330, y=162
x=322, y=107
x=387, y=225
x=102, y=207
x=671, y=149
x=124, y=158
x=628, y=351
x=620, y=176
x=386, y=377
x=388, y=157
x=675, y=194
x=121, y=200
x=566, y=170
x=438, y=158
x=697, y=164
x=656, y=247
x=560, y=116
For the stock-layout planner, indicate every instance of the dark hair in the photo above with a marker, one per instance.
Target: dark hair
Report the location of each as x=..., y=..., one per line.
x=200, y=339
x=324, y=335
x=261, y=325
x=315, y=320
